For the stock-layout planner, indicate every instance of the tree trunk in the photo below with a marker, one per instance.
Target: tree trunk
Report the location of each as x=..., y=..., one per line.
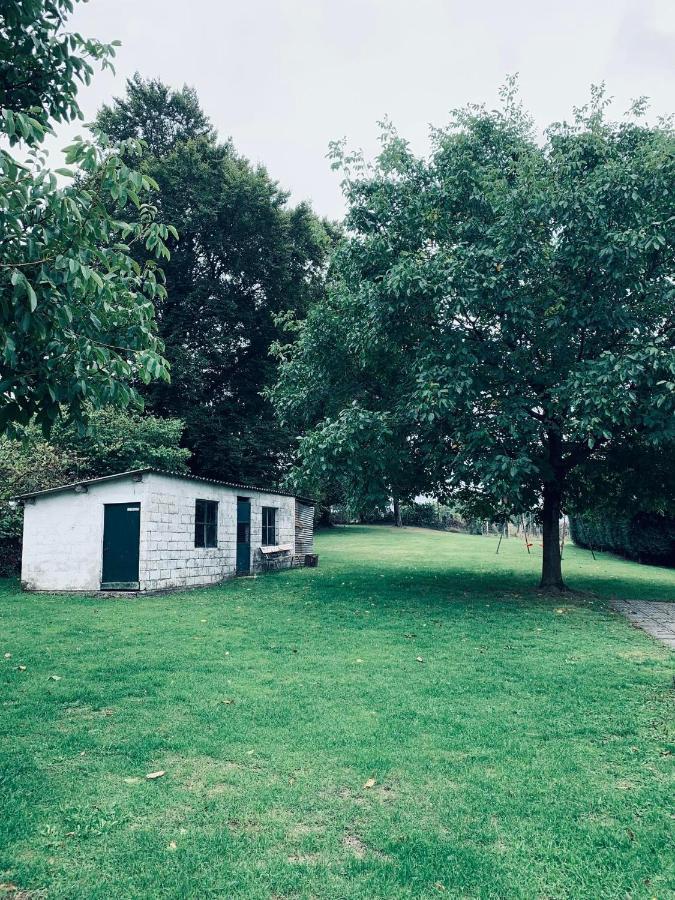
x=324, y=520
x=398, y=521
x=551, y=567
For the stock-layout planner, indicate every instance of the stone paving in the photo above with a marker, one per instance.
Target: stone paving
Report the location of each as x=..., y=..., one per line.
x=657, y=619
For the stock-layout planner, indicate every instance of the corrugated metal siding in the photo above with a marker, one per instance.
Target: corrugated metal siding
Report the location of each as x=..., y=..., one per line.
x=304, y=529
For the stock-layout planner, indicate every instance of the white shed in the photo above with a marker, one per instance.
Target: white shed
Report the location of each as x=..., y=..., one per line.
x=147, y=530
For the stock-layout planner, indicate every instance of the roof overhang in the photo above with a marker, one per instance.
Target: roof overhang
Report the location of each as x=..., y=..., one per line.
x=82, y=487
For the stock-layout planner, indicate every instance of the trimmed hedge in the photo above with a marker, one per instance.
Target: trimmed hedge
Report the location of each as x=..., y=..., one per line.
x=431, y=515
x=646, y=537
x=10, y=557
x=418, y=515
x=421, y=515
x=11, y=529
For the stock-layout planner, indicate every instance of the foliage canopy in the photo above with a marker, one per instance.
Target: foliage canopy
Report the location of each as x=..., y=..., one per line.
x=244, y=257
x=76, y=287
x=505, y=306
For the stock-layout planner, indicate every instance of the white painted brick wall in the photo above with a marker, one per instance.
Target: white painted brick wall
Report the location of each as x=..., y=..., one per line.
x=63, y=533
x=63, y=536
x=171, y=558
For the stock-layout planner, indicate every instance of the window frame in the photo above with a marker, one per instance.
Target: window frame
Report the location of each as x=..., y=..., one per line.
x=206, y=524
x=266, y=526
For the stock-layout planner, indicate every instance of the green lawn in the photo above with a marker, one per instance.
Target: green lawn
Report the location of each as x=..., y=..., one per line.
x=309, y=754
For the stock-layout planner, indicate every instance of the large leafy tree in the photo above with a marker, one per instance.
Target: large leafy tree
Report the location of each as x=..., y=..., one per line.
x=526, y=291
x=341, y=394
x=77, y=288
x=151, y=111
x=244, y=256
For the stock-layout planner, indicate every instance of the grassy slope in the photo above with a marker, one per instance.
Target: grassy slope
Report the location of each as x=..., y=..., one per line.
x=526, y=756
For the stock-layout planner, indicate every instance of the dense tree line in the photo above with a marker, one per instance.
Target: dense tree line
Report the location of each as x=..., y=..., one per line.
x=243, y=258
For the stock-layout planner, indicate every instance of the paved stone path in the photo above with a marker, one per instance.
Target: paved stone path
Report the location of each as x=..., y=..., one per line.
x=657, y=619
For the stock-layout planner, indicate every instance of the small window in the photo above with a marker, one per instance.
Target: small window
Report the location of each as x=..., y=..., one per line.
x=269, y=526
x=206, y=523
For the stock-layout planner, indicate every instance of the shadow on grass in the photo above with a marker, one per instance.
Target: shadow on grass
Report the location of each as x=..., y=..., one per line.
x=453, y=566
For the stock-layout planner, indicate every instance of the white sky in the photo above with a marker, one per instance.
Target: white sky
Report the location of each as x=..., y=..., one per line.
x=285, y=77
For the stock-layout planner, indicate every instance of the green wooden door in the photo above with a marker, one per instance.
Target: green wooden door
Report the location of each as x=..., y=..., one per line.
x=243, y=537
x=121, y=535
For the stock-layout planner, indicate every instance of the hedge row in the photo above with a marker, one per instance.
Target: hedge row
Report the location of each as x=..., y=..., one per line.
x=646, y=537
x=419, y=515
x=10, y=557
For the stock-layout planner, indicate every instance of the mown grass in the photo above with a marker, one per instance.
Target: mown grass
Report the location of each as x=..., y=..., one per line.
x=526, y=756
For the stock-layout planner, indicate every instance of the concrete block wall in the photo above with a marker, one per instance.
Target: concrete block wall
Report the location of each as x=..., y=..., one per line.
x=169, y=557
x=63, y=536
x=285, y=507
x=63, y=533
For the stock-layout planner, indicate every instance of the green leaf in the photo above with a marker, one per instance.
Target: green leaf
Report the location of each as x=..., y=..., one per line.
x=32, y=297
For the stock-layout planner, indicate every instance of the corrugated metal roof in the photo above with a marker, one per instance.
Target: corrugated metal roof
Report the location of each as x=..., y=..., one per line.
x=151, y=471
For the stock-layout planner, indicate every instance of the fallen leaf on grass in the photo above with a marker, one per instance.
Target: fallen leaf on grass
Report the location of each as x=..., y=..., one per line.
x=370, y=783
x=439, y=886
x=152, y=775
x=419, y=658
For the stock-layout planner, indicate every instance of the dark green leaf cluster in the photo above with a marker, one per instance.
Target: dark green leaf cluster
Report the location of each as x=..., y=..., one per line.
x=76, y=308
x=41, y=66
x=244, y=259
x=78, y=270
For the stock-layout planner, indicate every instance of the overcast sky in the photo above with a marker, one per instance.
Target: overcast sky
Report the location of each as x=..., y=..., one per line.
x=285, y=77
